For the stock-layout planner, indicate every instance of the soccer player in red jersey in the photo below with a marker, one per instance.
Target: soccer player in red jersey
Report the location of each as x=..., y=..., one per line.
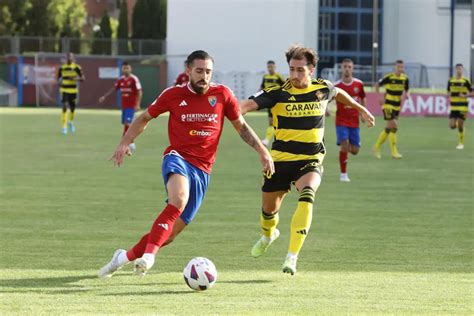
x=347, y=118
x=196, y=118
x=182, y=77
x=131, y=91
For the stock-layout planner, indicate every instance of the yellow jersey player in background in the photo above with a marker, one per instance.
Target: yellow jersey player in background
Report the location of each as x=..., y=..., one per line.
x=459, y=89
x=298, y=111
x=271, y=79
x=396, y=84
x=68, y=76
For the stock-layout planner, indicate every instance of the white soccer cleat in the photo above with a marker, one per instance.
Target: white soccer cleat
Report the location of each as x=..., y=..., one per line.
x=344, y=177
x=263, y=243
x=460, y=146
x=289, y=266
x=110, y=268
x=265, y=142
x=143, y=264
x=132, y=147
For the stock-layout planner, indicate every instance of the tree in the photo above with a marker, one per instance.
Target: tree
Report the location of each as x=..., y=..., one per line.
x=13, y=16
x=102, y=38
x=122, y=32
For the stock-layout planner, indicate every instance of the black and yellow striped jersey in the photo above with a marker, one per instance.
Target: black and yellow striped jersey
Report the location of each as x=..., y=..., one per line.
x=298, y=119
x=68, y=74
x=269, y=81
x=394, y=87
x=455, y=88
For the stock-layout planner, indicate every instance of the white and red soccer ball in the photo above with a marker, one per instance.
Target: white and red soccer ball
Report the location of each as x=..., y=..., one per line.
x=200, y=274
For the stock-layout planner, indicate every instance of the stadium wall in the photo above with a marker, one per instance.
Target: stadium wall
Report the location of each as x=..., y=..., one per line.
x=242, y=34
x=419, y=31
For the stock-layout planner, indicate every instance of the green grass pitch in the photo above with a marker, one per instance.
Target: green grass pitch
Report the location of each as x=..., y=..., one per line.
x=398, y=239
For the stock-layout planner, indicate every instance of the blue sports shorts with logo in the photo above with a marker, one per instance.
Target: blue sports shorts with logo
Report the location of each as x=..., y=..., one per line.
x=198, y=182
x=127, y=115
x=350, y=133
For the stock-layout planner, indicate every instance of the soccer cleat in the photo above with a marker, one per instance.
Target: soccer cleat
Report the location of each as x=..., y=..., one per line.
x=143, y=264
x=376, y=152
x=64, y=130
x=113, y=266
x=72, y=128
x=265, y=142
x=289, y=266
x=132, y=147
x=397, y=156
x=263, y=243
x=344, y=177
x=460, y=146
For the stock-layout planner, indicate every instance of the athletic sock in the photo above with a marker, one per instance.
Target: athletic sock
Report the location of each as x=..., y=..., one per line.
x=64, y=119
x=393, y=141
x=162, y=228
x=382, y=137
x=461, y=135
x=269, y=133
x=268, y=223
x=125, y=129
x=139, y=249
x=71, y=116
x=343, y=161
x=301, y=220
x=123, y=259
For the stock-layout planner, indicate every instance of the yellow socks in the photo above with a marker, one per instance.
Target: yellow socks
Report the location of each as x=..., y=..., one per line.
x=71, y=116
x=393, y=143
x=301, y=221
x=269, y=133
x=268, y=223
x=64, y=119
x=461, y=135
x=382, y=137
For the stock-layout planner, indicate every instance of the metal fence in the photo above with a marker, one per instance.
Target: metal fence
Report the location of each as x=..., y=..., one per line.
x=16, y=45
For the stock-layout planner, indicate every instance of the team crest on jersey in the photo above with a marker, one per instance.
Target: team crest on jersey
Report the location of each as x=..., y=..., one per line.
x=212, y=101
x=356, y=90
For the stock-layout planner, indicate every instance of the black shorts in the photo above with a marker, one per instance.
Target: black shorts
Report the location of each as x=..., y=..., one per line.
x=390, y=114
x=287, y=172
x=70, y=98
x=458, y=115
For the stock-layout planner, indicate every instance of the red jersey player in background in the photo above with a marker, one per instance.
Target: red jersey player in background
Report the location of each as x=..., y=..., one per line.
x=196, y=118
x=347, y=118
x=182, y=77
x=131, y=91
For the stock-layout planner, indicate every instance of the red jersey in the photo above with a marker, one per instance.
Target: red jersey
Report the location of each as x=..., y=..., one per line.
x=346, y=115
x=196, y=120
x=182, y=78
x=129, y=87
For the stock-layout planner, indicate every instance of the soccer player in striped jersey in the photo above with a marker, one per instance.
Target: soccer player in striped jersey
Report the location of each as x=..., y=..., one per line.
x=68, y=76
x=298, y=110
x=347, y=118
x=396, y=85
x=459, y=89
x=271, y=79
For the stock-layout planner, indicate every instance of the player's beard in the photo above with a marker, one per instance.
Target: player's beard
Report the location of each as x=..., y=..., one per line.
x=199, y=89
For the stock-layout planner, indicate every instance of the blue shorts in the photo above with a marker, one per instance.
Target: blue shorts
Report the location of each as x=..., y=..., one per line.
x=350, y=133
x=198, y=182
x=127, y=116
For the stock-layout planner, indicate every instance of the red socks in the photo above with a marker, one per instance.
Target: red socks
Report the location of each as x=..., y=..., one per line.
x=138, y=250
x=343, y=161
x=162, y=228
x=125, y=129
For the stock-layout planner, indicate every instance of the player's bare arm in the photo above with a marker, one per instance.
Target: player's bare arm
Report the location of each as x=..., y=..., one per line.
x=109, y=92
x=137, y=127
x=247, y=106
x=249, y=136
x=343, y=97
x=139, y=100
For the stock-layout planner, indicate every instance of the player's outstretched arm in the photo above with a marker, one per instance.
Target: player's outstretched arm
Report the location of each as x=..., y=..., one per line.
x=102, y=98
x=249, y=136
x=343, y=97
x=137, y=127
x=247, y=106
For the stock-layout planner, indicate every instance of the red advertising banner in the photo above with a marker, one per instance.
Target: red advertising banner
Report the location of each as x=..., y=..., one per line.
x=419, y=104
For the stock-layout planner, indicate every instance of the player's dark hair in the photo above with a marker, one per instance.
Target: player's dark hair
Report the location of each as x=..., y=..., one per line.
x=270, y=62
x=125, y=63
x=198, y=54
x=398, y=61
x=459, y=65
x=347, y=60
x=299, y=53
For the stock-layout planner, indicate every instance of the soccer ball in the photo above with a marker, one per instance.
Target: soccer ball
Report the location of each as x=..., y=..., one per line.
x=200, y=274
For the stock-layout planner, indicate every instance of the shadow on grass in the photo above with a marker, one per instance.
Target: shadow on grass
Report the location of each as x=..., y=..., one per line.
x=245, y=281
x=140, y=293
x=50, y=282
